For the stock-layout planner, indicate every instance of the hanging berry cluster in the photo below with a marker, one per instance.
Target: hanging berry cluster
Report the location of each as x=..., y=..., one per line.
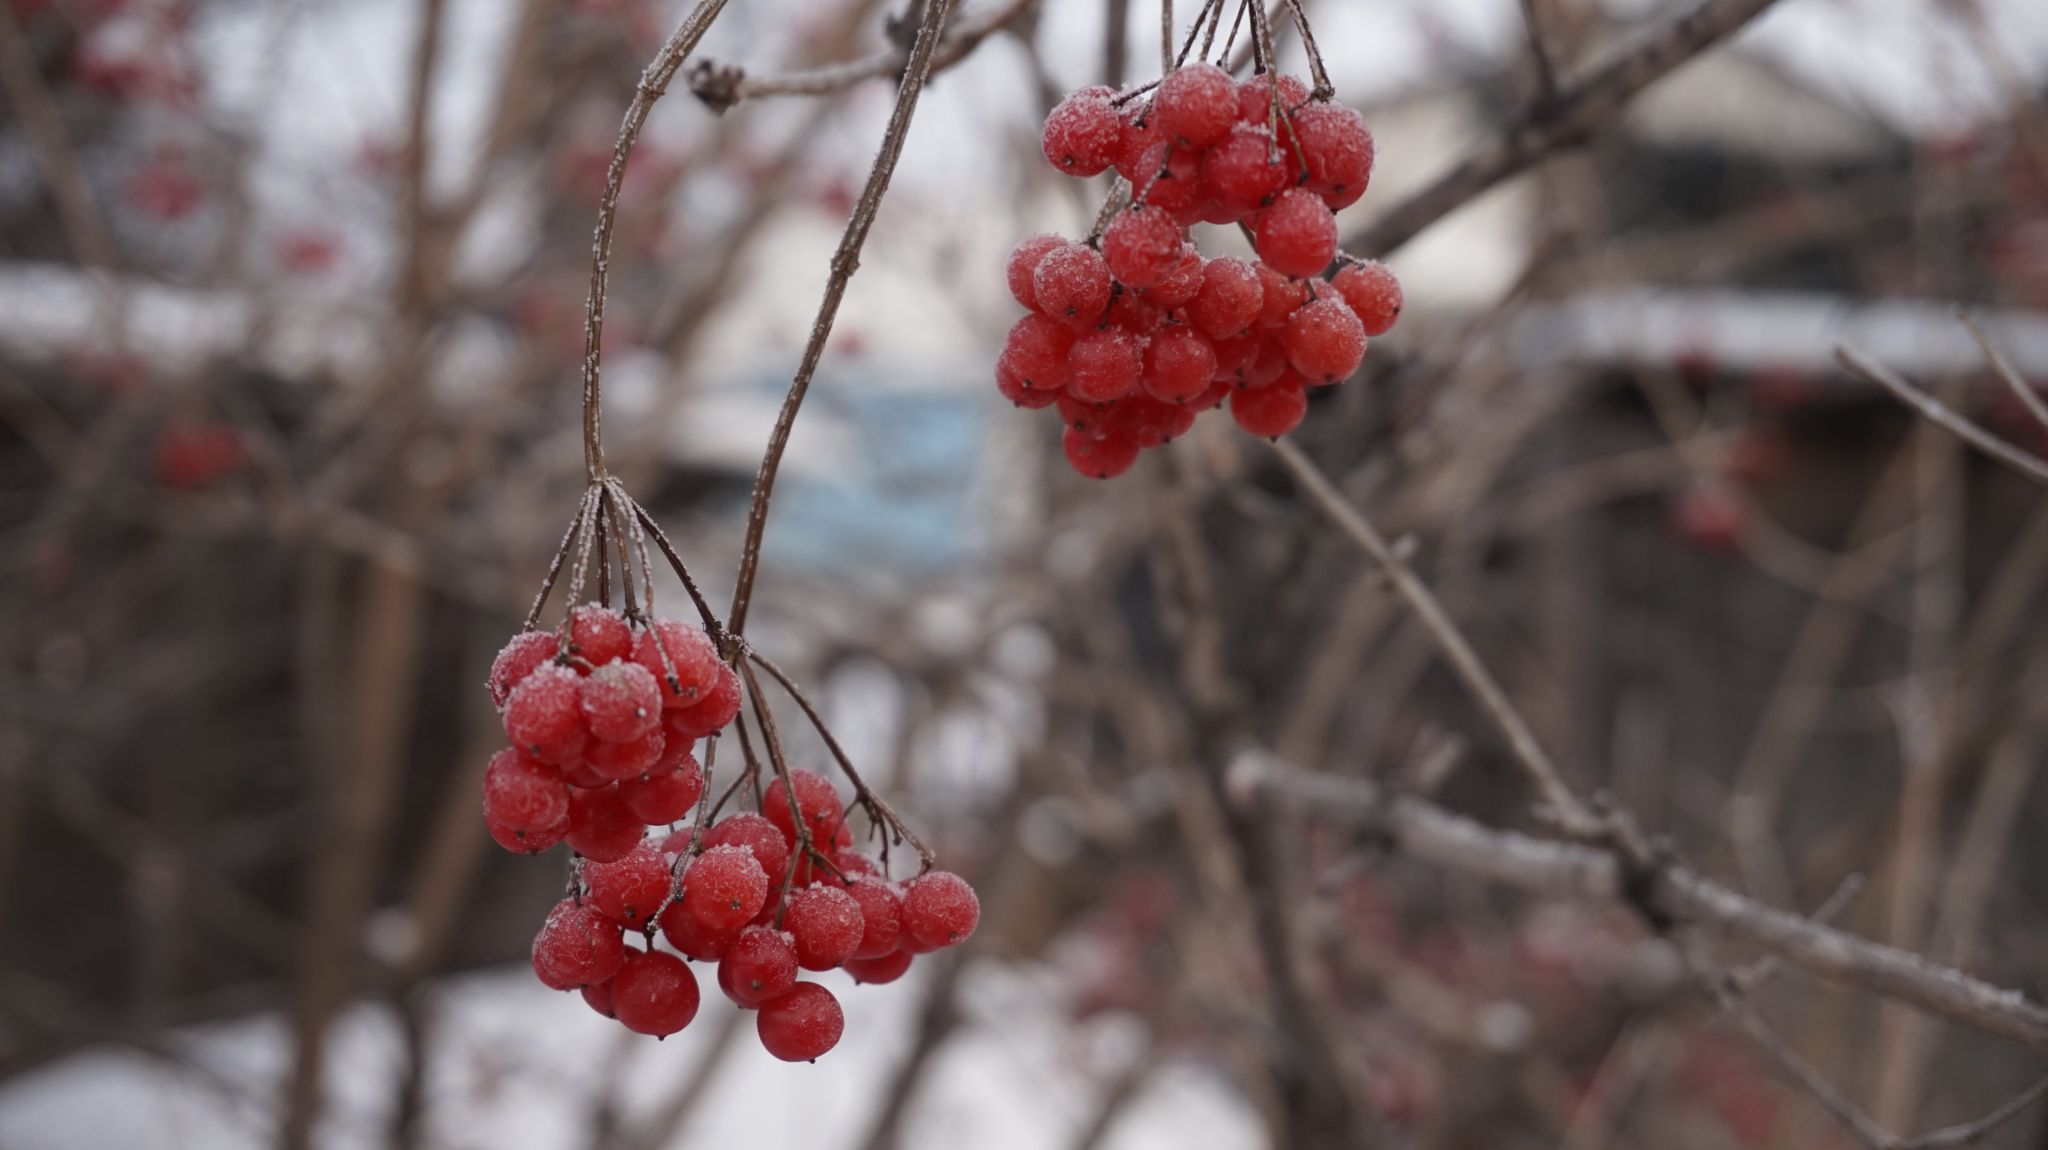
x=1133, y=333
x=604, y=715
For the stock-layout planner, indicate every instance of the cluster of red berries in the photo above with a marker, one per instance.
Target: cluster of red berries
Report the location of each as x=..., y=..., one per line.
x=1134, y=333
x=603, y=718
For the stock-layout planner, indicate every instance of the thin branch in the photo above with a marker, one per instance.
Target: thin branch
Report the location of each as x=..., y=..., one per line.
x=1792, y=1066
x=1539, y=50
x=1941, y=415
x=1671, y=892
x=1535, y=761
x=845, y=261
x=722, y=86
x=2003, y=368
x=1970, y=1133
x=653, y=84
x=1566, y=121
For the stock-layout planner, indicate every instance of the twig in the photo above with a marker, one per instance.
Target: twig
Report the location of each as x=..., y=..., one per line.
x=1539, y=50
x=1941, y=415
x=723, y=87
x=1571, y=118
x=1430, y=833
x=1571, y=814
x=845, y=261
x=2003, y=368
x=1748, y=978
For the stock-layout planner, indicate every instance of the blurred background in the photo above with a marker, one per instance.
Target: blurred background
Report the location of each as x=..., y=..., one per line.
x=291, y=298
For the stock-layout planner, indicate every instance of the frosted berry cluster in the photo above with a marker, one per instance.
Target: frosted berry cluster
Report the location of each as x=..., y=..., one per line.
x=603, y=720
x=1134, y=333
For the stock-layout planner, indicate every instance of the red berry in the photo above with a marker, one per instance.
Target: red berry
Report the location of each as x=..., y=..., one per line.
x=1709, y=517
x=1036, y=353
x=1297, y=236
x=939, y=909
x=623, y=761
x=576, y=947
x=1182, y=284
x=1134, y=312
x=597, y=635
x=881, y=916
x=1230, y=299
x=880, y=970
x=1084, y=417
x=1270, y=365
x=1013, y=388
x=1336, y=150
x=1323, y=340
x=1104, y=365
x=527, y=842
x=1270, y=411
x=1171, y=178
x=527, y=650
x=825, y=926
x=664, y=798
x=543, y=715
x=1179, y=365
x=1099, y=458
x=1255, y=97
x=1373, y=293
x=691, y=669
x=600, y=826
x=693, y=938
x=709, y=715
x=621, y=702
x=724, y=887
x=1152, y=423
x=522, y=795
x=818, y=799
x=1071, y=284
x=1134, y=140
x=1279, y=296
x=654, y=993
x=1023, y=263
x=629, y=890
x=801, y=1025
x=1196, y=105
x=1210, y=399
x=760, y=965
x=598, y=996
x=763, y=839
x=1142, y=246
x=854, y=864
x=1244, y=172
x=1081, y=132
x=581, y=774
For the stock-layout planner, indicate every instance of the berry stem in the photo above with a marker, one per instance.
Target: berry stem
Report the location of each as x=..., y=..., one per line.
x=721, y=88
x=844, y=262
x=547, y=585
x=653, y=84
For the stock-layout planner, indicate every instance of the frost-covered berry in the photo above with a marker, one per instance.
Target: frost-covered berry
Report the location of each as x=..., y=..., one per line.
x=710, y=714
x=1036, y=353
x=693, y=938
x=1134, y=141
x=724, y=887
x=1230, y=298
x=691, y=667
x=1255, y=97
x=576, y=947
x=1270, y=411
x=824, y=924
x=544, y=716
x=881, y=969
x=1104, y=458
x=1297, y=236
x=1013, y=388
x=1072, y=285
x=529, y=841
x=759, y=965
x=1182, y=284
x=1279, y=296
x=1178, y=365
x=816, y=796
x=1104, y=365
x=1336, y=150
x=598, y=996
x=629, y=890
x=600, y=826
x=1171, y=178
x=1196, y=105
x=632, y=760
x=1244, y=172
x=1151, y=423
x=621, y=702
x=1023, y=264
x=763, y=839
x=1323, y=340
x=1142, y=246
x=527, y=650
x=1081, y=132
x=939, y=909
x=801, y=1025
x=520, y=794
x=665, y=798
x=654, y=993
x=881, y=916
x=597, y=635
x=1373, y=293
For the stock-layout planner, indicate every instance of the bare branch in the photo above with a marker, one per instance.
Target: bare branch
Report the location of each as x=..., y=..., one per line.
x=1941, y=415
x=722, y=87
x=2003, y=368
